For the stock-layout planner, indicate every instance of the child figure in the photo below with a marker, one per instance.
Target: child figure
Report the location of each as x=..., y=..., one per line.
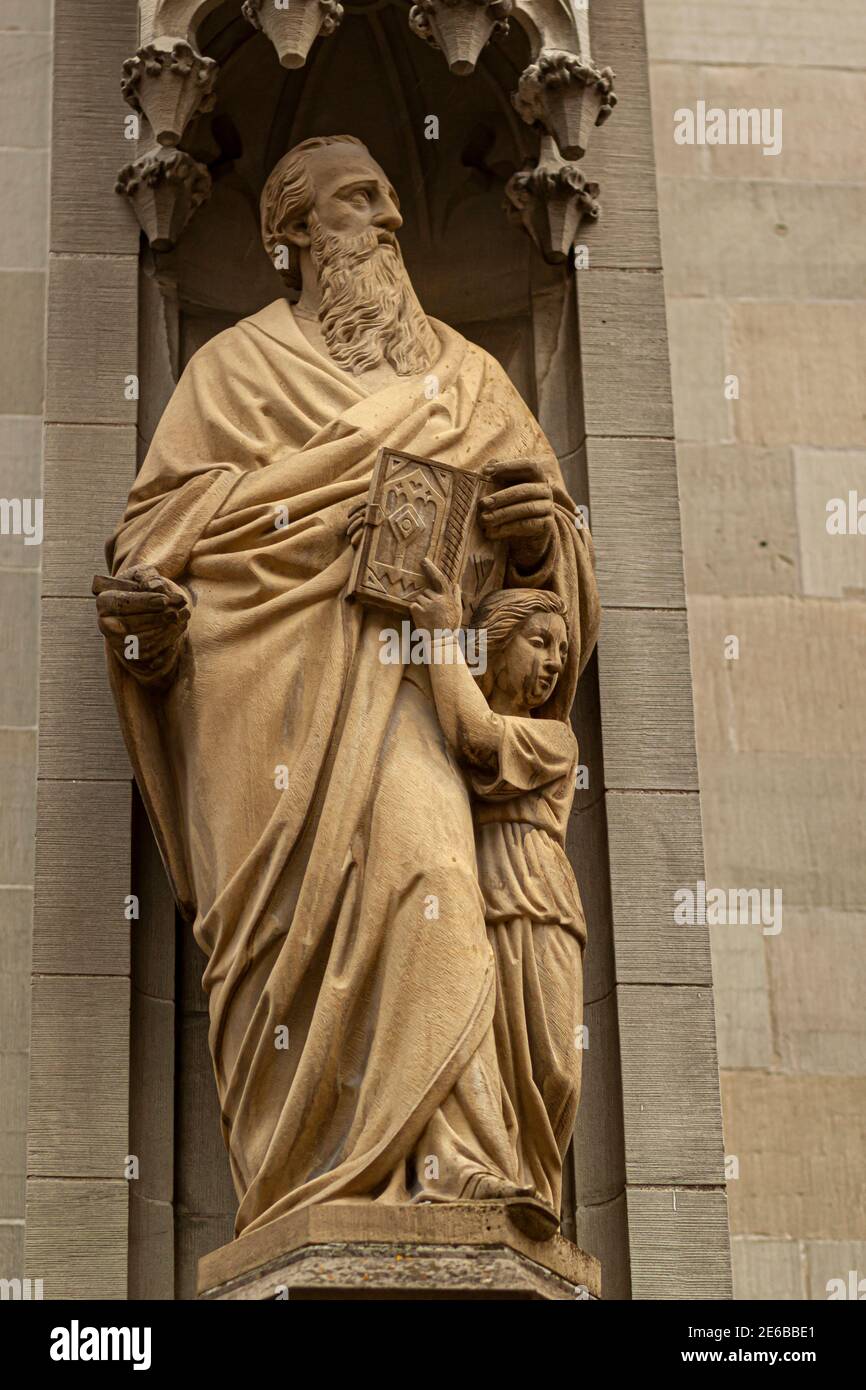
x=521, y=769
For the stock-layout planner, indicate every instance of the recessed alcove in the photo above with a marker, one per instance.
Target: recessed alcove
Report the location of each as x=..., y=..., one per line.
x=476, y=269
x=373, y=78
x=118, y=1058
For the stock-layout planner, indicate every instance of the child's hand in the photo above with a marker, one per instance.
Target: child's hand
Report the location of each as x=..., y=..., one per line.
x=440, y=605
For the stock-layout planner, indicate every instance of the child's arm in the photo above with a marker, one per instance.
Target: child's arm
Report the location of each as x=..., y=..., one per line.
x=470, y=726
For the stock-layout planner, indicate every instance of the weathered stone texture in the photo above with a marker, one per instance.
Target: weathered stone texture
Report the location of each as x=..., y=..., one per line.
x=681, y=1245
x=828, y=1260
x=817, y=971
x=800, y=1142
x=699, y=365
x=25, y=104
x=779, y=820
x=739, y=519
x=833, y=566
x=767, y=1269
x=791, y=33
x=823, y=140
x=772, y=250
x=76, y=1237
x=801, y=368
x=799, y=669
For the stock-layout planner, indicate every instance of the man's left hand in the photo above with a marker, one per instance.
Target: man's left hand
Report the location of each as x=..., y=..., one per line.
x=521, y=511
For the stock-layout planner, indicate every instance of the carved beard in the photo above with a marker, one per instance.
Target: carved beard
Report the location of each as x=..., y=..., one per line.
x=369, y=312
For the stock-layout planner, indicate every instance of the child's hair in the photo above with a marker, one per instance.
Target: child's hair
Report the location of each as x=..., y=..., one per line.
x=500, y=612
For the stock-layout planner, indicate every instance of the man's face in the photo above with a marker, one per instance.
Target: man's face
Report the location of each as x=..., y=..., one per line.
x=352, y=194
x=368, y=312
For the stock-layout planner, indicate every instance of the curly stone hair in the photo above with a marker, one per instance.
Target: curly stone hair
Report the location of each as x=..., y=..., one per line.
x=290, y=193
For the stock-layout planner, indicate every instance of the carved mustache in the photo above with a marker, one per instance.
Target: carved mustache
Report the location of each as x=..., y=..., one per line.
x=354, y=251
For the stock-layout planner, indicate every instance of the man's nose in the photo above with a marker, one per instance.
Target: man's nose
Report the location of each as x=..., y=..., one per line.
x=387, y=215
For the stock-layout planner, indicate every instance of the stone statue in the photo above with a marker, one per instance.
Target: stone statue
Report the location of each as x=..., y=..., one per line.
x=370, y=853
x=521, y=772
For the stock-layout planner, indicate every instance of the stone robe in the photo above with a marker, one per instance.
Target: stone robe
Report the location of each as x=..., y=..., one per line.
x=537, y=930
x=303, y=798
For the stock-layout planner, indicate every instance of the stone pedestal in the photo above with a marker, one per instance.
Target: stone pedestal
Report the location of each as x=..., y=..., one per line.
x=362, y=1251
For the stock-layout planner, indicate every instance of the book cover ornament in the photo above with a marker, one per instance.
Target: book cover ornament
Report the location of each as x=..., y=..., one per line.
x=417, y=509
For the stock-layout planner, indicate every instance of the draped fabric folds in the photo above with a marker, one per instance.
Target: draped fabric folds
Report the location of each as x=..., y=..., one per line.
x=306, y=806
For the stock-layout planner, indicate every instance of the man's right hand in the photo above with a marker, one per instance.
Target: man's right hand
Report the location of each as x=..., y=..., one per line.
x=144, y=621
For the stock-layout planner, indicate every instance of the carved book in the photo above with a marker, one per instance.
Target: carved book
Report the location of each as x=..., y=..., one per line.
x=417, y=509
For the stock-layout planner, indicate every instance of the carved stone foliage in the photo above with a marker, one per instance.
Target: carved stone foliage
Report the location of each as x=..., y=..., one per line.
x=168, y=82
x=293, y=28
x=460, y=28
x=562, y=94
x=565, y=96
x=550, y=200
x=165, y=187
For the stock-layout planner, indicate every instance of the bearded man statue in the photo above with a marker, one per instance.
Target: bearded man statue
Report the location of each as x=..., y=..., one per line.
x=306, y=803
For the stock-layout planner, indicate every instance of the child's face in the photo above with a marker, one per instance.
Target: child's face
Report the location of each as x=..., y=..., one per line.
x=533, y=661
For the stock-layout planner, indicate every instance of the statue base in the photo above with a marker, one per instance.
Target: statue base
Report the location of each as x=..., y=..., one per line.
x=361, y=1250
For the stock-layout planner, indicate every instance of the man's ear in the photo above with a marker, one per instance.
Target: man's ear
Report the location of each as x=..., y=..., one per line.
x=298, y=232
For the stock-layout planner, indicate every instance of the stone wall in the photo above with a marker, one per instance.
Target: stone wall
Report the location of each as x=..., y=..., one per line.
x=25, y=93
x=765, y=278
x=764, y=266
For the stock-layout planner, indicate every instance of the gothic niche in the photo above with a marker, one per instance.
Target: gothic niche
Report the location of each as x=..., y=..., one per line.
x=491, y=208
x=452, y=144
